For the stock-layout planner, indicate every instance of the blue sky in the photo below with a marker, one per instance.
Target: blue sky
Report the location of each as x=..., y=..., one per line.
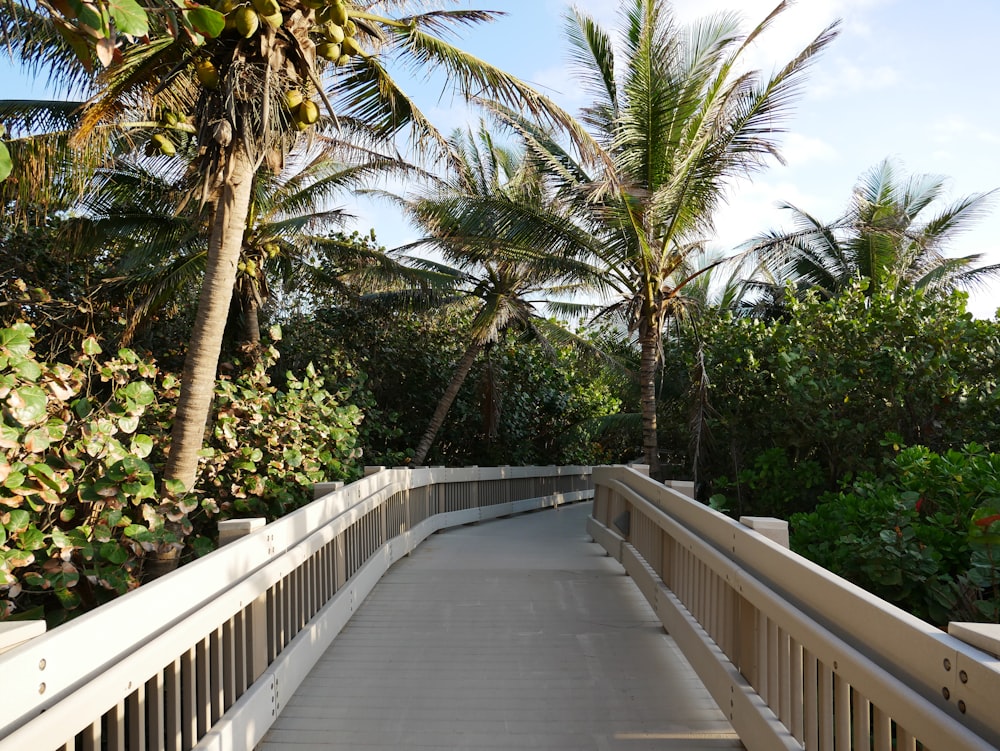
x=914, y=80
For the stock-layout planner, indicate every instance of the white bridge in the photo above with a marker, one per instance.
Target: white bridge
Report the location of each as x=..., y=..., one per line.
x=515, y=634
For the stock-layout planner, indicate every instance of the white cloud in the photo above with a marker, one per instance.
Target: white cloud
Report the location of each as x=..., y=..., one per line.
x=753, y=208
x=953, y=128
x=845, y=77
x=799, y=150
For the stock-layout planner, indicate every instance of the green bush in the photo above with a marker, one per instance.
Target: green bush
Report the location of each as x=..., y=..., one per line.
x=924, y=536
x=268, y=446
x=83, y=448
x=77, y=492
x=520, y=403
x=827, y=383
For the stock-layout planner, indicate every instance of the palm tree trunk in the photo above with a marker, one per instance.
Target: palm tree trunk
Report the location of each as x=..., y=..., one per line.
x=649, y=342
x=250, y=323
x=202, y=361
x=457, y=379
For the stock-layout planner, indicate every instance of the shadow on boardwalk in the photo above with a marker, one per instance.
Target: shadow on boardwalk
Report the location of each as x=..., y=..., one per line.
x=513, y=634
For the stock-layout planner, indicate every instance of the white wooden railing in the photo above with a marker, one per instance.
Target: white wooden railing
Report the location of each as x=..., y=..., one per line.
x=206, y=656
x=797, y=657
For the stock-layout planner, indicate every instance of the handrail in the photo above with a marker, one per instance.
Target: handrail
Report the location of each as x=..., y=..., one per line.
x=796, y=656
x=205, y=657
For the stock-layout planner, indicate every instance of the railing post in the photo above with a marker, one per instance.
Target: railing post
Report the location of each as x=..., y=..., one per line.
x=234, y=529
x=15, y=633
x=256, y=614
x=684, y=487
x=775, y=530
x=983, y=636
x=321, y=489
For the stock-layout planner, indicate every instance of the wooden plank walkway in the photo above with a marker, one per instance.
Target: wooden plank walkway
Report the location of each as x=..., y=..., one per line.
x=513, y=634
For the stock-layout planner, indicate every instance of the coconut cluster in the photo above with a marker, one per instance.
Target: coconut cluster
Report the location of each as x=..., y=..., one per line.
x=330, y=29
x=160, y=143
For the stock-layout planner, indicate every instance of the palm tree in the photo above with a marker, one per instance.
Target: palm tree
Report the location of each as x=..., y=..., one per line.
x=891, y=237
x=142, y=208
x=239, y=90
x=676, y=119
x=506, y=294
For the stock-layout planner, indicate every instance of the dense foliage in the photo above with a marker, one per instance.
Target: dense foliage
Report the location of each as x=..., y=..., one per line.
x=522, y=403
x=83, y=447
x=924, y=534
x=793, y=406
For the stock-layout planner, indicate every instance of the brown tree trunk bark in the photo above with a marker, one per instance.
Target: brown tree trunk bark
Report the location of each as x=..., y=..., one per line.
x=649, y=343
x=202, y=361
x=250, y=322
x=457, y=379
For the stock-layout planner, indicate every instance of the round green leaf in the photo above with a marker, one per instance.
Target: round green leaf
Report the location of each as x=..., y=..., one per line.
x=142, y=445
x=138, y=392
x=27, y=405
x=129, y=17
x=114, y=553
x=91, y=347
x=206, y=20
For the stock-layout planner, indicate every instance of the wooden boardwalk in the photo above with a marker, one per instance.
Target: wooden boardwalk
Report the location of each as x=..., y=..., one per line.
x=513, y=634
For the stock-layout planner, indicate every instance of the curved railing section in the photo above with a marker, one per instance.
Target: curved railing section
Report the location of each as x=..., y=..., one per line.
x=796, y=656
x=206, y=657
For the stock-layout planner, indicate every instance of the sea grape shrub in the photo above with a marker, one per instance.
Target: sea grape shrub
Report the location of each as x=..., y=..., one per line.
x=76, y=491
x=829, y=380
x=268, y=446
x=83, y=447
x=924, y=535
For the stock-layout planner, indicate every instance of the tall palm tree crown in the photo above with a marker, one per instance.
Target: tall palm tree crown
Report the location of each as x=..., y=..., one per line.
x=892, y=237
x=674, y=119
x=246, y=81
x=506, y=293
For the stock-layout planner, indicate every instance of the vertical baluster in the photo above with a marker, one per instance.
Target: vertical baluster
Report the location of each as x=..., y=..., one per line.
x=203, y=686
x=315, y=583
x=326, y=575
x=189, y=700
x=728, y=645
x=861, y=721
x=745, y=639
x=773, y=676
x=700, y=591
x=90, y=737
x=842, y=712
x=241, y=646
x=784, y=679
x=229, y=661
x=763, y=656
x=300, y=601
x=905, y=741
x=882, y=730
x=115, y=727
x=713, y=608
x=718, y=607
x=172, y=707
x=273, y=622
x=216, y=669
x=825, y=699
x=155, y=713
x=810, y=721
x=290, y=606
x=135, y=706
x=285, y=610
x=795, y=688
